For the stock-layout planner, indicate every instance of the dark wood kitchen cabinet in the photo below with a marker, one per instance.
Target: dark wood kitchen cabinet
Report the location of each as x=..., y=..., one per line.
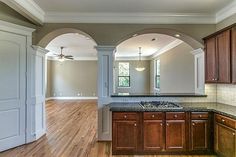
x=175, y=131
x=225, y=141
x=199, y=132
x=217, y=58
x=233, y=54
x=125, y=132
x=153, y=131
x=161, y=133
x=223, y=58
x=210, y=60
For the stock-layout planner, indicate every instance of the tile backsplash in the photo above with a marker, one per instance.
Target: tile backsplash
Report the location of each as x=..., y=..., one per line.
x=226, y=93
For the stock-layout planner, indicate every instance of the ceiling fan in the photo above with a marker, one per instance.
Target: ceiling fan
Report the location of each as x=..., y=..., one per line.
x=62, y=57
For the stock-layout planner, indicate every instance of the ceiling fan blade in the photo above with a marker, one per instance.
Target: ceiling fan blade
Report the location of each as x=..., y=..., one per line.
x=68, y=56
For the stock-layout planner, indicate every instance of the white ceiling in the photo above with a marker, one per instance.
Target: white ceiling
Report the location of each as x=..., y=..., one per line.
x=133, y=6
x=77, y=45
x=125, y=11
x=82, y=47
x=130, y=47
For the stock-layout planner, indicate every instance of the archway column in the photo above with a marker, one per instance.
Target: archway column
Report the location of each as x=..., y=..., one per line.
x=199, y=70
x=36, y=118
x=106, y=57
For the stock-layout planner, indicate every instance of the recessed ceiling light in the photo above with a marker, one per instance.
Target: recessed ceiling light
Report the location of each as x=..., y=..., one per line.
x=177, y=35
x=154, y=39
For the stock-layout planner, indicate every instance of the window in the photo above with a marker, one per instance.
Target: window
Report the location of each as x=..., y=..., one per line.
x=124, y=77
x=157, y=75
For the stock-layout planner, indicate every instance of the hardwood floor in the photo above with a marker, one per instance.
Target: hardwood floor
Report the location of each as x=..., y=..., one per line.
x=71, y=132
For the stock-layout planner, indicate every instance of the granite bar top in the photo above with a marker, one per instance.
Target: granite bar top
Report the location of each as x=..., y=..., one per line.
x=219, y=108
x=157, y=95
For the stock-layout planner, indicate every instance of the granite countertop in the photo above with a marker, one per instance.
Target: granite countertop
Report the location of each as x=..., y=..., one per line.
x=157, y=95
x=222, y=109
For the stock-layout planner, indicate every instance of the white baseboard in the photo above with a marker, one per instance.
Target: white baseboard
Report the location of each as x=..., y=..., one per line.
x=72, y=98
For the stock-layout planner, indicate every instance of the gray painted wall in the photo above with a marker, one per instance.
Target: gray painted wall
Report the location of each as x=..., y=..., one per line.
x=69, y=78
x=177, y=70
x=10, y=15
x=139, y=81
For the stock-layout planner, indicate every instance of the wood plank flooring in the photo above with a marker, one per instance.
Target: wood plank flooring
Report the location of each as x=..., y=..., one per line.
x=71, y=132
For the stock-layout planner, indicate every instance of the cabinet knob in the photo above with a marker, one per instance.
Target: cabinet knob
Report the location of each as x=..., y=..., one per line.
x=200, y=116
x=161, y=124
x=193, y=124
x=175, y=116
x=223, y=120
x=125, y=116
x=135, y=124
x=233, y=134
x=167, y=124
x=153, y=116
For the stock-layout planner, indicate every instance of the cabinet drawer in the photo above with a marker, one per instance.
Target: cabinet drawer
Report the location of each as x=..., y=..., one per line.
x=153, y=115
x=125, y=115
x=175, y=115
x=199, y=115
x=226, y=121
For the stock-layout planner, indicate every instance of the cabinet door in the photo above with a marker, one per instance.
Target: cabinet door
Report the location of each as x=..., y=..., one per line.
x=225, y=141
x=175, y=135
x=153, y=135
x=233, y=55
x=124, y=135
x=223, y=52
x=199, y=135
x=210, y=60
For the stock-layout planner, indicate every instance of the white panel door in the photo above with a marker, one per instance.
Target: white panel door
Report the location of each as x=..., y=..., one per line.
x=12, y=90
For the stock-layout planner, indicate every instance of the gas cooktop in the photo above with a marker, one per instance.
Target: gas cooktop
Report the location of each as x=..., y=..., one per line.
x=160, y=105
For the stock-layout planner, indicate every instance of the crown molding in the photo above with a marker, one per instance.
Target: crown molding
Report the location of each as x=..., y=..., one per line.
x=131, y=58
x=37, y=15
x=27, y=8
x=167, y=48
x=17, y=29
x=135, y=18
x=226, y=12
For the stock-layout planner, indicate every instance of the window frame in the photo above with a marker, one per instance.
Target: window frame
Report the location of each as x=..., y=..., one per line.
x=157, y=76
x=123, y=76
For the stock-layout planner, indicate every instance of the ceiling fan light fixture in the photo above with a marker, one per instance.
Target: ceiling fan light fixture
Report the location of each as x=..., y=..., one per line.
x=61, y=59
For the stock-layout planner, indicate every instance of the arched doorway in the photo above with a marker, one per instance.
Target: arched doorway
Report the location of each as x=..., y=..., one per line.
x=71, y=107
